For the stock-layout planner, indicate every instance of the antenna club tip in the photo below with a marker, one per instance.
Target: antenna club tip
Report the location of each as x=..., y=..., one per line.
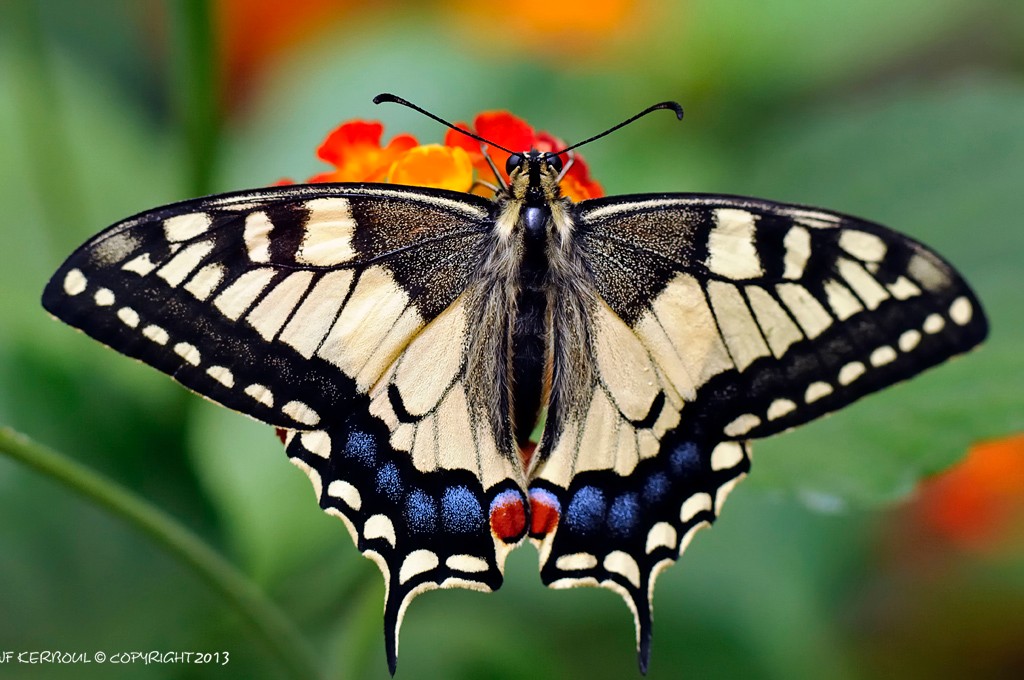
x=675, y=107
x=384, y=97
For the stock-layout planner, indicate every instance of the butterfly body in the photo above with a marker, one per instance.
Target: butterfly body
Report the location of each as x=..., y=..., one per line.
x=410, y=340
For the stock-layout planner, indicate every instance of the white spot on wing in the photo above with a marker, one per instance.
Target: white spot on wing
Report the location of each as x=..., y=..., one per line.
x=432, y=360
x=128, y=316
x=807, y=311
x=74, y=282
x=740, y=331
x=869, y=290
x=850, y=372
x=104, y=297
x=184, y=227
x=222, y=375
x=682, y=305
x=623, y=364
x=797, y=243
x=468, y=563
x=843, y=303
x=417, y=562
x=661, y=535
x=780, y=408
x=623, y=564
x=698, y=502
x=779, y=329
x=187, y=352
x=327, y=238
x=741, y=425
x=301, y=413
x=317, y=441
x=816, y=391
x=960, y=311
x=261, y=394
x=205, y=280
x=731, y=250
x=933, y=324
x=862, y=245
x=928, y=272
x=882, y=356
x=376, y=304
x=177, y=269
x=727, y=455
x=276, y=306
x=140, y=265
x=257, y=236
x=234, y=300
x=156, y=334
x=576, y=562
x=379, y=526
x=314, y=317
x=346, y=492
x=908, y=340
x=903, y=289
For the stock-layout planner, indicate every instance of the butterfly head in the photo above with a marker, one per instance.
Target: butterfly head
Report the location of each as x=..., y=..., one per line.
x=533, y=176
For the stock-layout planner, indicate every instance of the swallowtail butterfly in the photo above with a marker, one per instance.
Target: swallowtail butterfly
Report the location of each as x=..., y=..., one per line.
x=410, y=340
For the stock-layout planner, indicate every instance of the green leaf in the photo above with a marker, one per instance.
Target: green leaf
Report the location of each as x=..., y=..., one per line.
x=943, y=165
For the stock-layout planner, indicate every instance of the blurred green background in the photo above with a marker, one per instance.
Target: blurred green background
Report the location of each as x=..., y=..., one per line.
x=841, y=557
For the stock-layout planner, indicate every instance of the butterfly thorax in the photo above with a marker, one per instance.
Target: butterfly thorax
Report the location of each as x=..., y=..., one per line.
x=528, y=305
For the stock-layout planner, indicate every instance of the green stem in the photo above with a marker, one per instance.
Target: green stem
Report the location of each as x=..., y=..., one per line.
x=283, y=639
x=194, y=84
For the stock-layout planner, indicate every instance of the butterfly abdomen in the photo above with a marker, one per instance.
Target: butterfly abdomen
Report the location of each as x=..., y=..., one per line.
x=531, y=339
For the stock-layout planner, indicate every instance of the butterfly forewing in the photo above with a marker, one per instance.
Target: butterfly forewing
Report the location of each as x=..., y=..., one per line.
x=281, y=303
x=763, y=316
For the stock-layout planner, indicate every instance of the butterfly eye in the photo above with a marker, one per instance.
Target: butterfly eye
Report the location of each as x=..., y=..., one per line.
x=555, y=162
x=513, y=162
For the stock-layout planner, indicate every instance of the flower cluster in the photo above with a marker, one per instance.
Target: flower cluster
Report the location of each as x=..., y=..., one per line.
x=357, y=154
x=979, y=504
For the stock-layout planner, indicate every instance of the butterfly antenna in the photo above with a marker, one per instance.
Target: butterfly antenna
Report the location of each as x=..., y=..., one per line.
x=394, y=99
x=674, y=106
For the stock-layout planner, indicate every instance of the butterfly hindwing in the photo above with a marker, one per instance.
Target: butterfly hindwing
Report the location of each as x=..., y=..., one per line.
x=618, y=531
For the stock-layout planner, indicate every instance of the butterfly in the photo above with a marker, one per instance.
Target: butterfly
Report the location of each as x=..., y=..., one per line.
x=411, y=341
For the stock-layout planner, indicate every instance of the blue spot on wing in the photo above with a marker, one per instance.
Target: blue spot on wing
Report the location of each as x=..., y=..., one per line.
x=624, y=514
x=656, y=487
x=685, y=459
x=362, y=447
x=585, y=514
x=421, y=512
x=389, y=482
x=460, y=510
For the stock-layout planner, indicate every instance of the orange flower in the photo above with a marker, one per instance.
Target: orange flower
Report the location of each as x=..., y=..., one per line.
x=354, y=150
x=433, y=165
x=979, y=504
x=511, y=132
x=569, y=29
